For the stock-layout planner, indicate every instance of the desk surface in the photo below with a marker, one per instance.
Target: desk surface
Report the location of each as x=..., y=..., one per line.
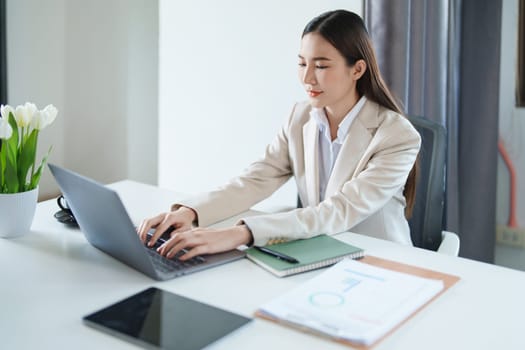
x=52, y=277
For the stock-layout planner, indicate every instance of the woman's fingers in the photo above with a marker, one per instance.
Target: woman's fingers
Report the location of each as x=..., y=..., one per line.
x=168, y=221
x=159, y=230
x=147, y=224
x=177, y=242
x=179, y=220
x=195, y=251
x=204, y=241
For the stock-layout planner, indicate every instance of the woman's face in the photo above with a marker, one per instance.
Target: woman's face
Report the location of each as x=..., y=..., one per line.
x=327, y=79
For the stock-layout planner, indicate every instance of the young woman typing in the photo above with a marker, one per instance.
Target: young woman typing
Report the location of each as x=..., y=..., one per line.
x=349, y=147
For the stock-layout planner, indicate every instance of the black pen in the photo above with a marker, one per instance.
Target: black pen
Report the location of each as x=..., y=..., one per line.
x=277, y=254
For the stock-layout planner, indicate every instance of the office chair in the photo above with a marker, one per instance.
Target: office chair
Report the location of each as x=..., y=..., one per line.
x=426, y=222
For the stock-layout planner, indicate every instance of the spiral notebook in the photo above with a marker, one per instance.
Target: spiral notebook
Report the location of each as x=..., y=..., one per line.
x=312, y=253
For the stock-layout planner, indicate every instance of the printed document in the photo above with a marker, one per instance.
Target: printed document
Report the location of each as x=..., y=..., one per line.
x=353, y=301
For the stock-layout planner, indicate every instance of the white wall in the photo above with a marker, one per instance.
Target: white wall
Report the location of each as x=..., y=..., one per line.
x=227, y=81
x=97, y=61
x=35, y=64
x=512, y=131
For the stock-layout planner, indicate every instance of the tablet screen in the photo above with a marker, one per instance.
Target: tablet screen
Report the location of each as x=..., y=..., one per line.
x=159, y=319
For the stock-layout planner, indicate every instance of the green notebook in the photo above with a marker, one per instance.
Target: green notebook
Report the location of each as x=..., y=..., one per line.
x=312, y=253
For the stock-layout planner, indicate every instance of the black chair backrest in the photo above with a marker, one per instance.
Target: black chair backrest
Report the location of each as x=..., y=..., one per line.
x=427, y=216
x=426, y=223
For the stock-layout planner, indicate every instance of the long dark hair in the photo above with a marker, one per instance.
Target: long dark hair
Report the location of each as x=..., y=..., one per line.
x=346, y=32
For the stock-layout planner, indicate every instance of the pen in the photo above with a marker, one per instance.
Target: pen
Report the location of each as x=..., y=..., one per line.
x=277, y=255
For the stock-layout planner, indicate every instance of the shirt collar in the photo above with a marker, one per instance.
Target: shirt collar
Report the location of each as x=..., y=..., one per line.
x=319, y=116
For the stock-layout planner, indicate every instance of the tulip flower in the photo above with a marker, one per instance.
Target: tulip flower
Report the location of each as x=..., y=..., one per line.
x=51, y=113
x=44, y=117
x=19, y=130
x=38, y=121
x=24, y=114
x=5, y=129
x=5, y=110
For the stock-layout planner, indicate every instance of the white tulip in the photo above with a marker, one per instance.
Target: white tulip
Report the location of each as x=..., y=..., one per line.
x=24, y=114
x=5, y=110
x=39, y=120
x=51, y=113
x=31, y=107
x=5, y=129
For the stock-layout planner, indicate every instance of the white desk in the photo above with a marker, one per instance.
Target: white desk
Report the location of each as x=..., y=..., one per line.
x=52, y=277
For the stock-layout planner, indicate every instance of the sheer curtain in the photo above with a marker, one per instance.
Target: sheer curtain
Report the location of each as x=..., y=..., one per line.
x=441, y=59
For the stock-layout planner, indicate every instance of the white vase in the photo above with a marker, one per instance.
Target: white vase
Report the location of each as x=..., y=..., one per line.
x=16, y=212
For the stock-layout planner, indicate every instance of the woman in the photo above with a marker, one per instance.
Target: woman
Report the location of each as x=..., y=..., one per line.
x=351, y=151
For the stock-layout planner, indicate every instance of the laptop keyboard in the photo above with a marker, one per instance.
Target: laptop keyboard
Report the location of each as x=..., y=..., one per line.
x=174, y=264
x=164, y=264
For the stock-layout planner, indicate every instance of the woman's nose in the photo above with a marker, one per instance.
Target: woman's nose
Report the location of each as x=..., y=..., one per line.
x=308, y=76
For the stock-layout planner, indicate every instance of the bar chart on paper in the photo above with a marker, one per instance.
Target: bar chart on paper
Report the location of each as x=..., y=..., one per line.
x=353, y=301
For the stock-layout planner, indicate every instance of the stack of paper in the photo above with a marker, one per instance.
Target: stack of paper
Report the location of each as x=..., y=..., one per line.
x=353, y=301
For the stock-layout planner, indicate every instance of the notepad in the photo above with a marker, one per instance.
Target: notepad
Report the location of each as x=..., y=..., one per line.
x=352, y=302
x=312, y=253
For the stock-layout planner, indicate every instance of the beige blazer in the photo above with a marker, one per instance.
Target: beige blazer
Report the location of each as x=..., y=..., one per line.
x=364, y=193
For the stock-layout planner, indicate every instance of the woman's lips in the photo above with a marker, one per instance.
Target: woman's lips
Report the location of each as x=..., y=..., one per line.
x=313, y=93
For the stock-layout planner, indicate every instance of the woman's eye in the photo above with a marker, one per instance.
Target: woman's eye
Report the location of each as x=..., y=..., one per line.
x=302, y=64
x=321, y=67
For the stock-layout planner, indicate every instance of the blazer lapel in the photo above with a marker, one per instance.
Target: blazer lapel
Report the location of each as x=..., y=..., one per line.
x=311, y=161
x=354, y=146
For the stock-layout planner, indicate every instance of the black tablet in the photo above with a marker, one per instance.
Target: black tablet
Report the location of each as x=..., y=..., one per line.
x=159, y=319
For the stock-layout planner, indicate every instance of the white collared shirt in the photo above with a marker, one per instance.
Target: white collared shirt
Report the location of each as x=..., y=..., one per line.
x=328, y=149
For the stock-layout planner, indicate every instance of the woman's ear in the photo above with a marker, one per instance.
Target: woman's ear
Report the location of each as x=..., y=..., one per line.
x=359, y=69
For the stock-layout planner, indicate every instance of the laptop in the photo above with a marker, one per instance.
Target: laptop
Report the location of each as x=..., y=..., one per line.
x=107, y=226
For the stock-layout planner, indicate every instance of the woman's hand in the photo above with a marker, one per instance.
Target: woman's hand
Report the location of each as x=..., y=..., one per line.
x=180, y=220
x=200, y=241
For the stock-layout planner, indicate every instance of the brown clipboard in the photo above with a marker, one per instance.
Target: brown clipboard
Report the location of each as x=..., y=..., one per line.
x=448, y=281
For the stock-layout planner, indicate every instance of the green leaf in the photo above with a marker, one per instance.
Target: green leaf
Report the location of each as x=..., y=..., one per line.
x=11, y=178
x=27, y=158
x=35, y=179
x=13, y=140
x=10, y=146
x=3, y=156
